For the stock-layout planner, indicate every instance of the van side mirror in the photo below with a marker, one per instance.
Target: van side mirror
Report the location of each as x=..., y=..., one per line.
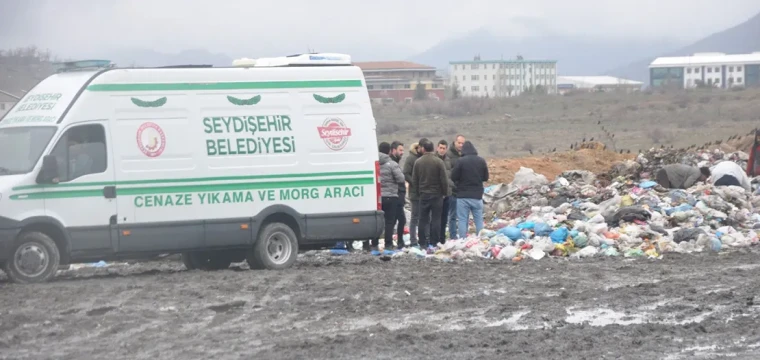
x=49, y=172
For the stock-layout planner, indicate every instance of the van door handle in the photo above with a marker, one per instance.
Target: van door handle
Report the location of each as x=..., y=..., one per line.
x=109, y=192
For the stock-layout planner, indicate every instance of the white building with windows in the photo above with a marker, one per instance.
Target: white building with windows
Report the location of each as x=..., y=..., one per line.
x=706, y=69
x=503, y=78
x=597, y=83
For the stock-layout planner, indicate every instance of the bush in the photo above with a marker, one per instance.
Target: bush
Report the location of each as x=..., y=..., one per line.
x=387, y=129
x=659, y=136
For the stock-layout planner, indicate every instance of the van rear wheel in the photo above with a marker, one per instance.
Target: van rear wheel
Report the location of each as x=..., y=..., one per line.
x=35, y=259
x=275, y=249
x=206, y=260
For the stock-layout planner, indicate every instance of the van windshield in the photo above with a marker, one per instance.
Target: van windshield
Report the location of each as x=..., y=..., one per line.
x=21, y=147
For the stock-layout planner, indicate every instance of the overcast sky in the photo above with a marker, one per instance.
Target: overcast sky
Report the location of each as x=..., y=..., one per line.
x=239, y=27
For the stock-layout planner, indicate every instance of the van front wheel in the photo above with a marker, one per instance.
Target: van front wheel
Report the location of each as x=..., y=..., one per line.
x=275, y=249
x=35, y=259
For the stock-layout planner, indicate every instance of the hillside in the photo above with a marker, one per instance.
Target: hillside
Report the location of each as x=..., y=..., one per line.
x=21, y=69
x=151, y=58
x=576, y=56
x=743, y=38
x=517, y=126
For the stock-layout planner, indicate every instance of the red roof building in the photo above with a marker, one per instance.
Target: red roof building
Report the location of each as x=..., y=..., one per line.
x=396, y=81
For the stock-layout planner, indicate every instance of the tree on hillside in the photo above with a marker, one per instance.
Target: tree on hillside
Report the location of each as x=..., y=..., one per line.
x=453, y=91
x=419, y=92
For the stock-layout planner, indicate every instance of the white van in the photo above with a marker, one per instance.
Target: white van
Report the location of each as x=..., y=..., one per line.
x=219, y=164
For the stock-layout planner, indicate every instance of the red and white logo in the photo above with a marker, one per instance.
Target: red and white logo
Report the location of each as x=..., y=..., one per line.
x=335, y=133
x=151, y=139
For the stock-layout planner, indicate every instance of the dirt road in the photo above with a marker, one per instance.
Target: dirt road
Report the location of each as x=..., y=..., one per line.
x=358, y=307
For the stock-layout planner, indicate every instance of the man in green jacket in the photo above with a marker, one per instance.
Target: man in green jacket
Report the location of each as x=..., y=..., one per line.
x=415, y=152
x=431, y=183
x=452, y=156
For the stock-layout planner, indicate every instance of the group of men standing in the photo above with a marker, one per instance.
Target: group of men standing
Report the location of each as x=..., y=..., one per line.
x=445, y=186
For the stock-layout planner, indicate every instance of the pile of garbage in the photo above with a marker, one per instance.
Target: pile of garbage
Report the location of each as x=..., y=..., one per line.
x=620, y=213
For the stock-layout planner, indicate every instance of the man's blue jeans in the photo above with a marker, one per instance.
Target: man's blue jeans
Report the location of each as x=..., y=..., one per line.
x=465, y=207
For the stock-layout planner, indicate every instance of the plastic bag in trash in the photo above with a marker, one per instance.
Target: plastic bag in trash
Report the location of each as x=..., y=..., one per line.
x=507, y=253
x=585, y=252
x=526, y=177
x=559, y=236
x=512, y=233
x=542, y=229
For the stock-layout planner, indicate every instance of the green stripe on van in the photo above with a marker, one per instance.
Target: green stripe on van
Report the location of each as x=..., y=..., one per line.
x=227, y=85
x=132, y=191
x=192, y=180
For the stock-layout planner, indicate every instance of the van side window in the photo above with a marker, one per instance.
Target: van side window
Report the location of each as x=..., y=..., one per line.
x=81, y=151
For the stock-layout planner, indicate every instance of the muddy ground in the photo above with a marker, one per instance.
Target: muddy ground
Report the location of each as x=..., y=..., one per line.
x=358, y=307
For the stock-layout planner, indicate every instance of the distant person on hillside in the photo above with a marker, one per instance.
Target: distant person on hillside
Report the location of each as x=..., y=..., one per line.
x=729, y=173
x=469, y=174
x=679, y=176
x=390, y=179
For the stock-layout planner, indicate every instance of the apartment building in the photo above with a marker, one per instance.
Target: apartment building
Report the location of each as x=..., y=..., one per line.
x=503, y=78
x=706, y=69
x=396, y=81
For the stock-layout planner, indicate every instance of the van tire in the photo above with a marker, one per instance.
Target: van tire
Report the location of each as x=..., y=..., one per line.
x=206, y=260
x=38, y=247
x=275, y=249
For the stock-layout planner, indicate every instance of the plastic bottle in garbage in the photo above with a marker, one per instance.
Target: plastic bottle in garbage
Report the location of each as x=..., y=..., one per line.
x=715, y=244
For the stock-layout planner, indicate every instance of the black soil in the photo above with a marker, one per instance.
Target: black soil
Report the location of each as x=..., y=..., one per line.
x=359, y=307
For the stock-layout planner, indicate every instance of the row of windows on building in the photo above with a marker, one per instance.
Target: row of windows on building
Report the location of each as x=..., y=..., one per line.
x=730, y=80
x=504, y=77
x=477, y=88
x=405, y=86
x=502, y=66
x=712, y=69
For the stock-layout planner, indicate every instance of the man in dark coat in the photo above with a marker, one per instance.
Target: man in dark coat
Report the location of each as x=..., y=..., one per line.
x=443, y=154
x=430, y=182
x=469, y=174
x=415, y=152
x=397, y=152
x=452, y=156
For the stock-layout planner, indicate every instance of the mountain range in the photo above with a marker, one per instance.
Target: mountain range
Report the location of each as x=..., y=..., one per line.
x=740, y=39
x=575, y=55
x=627, y=58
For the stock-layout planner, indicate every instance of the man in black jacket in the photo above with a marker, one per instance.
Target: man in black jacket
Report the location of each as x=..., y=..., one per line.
x=397, y=152
x=452, y=156
x=469, y=174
